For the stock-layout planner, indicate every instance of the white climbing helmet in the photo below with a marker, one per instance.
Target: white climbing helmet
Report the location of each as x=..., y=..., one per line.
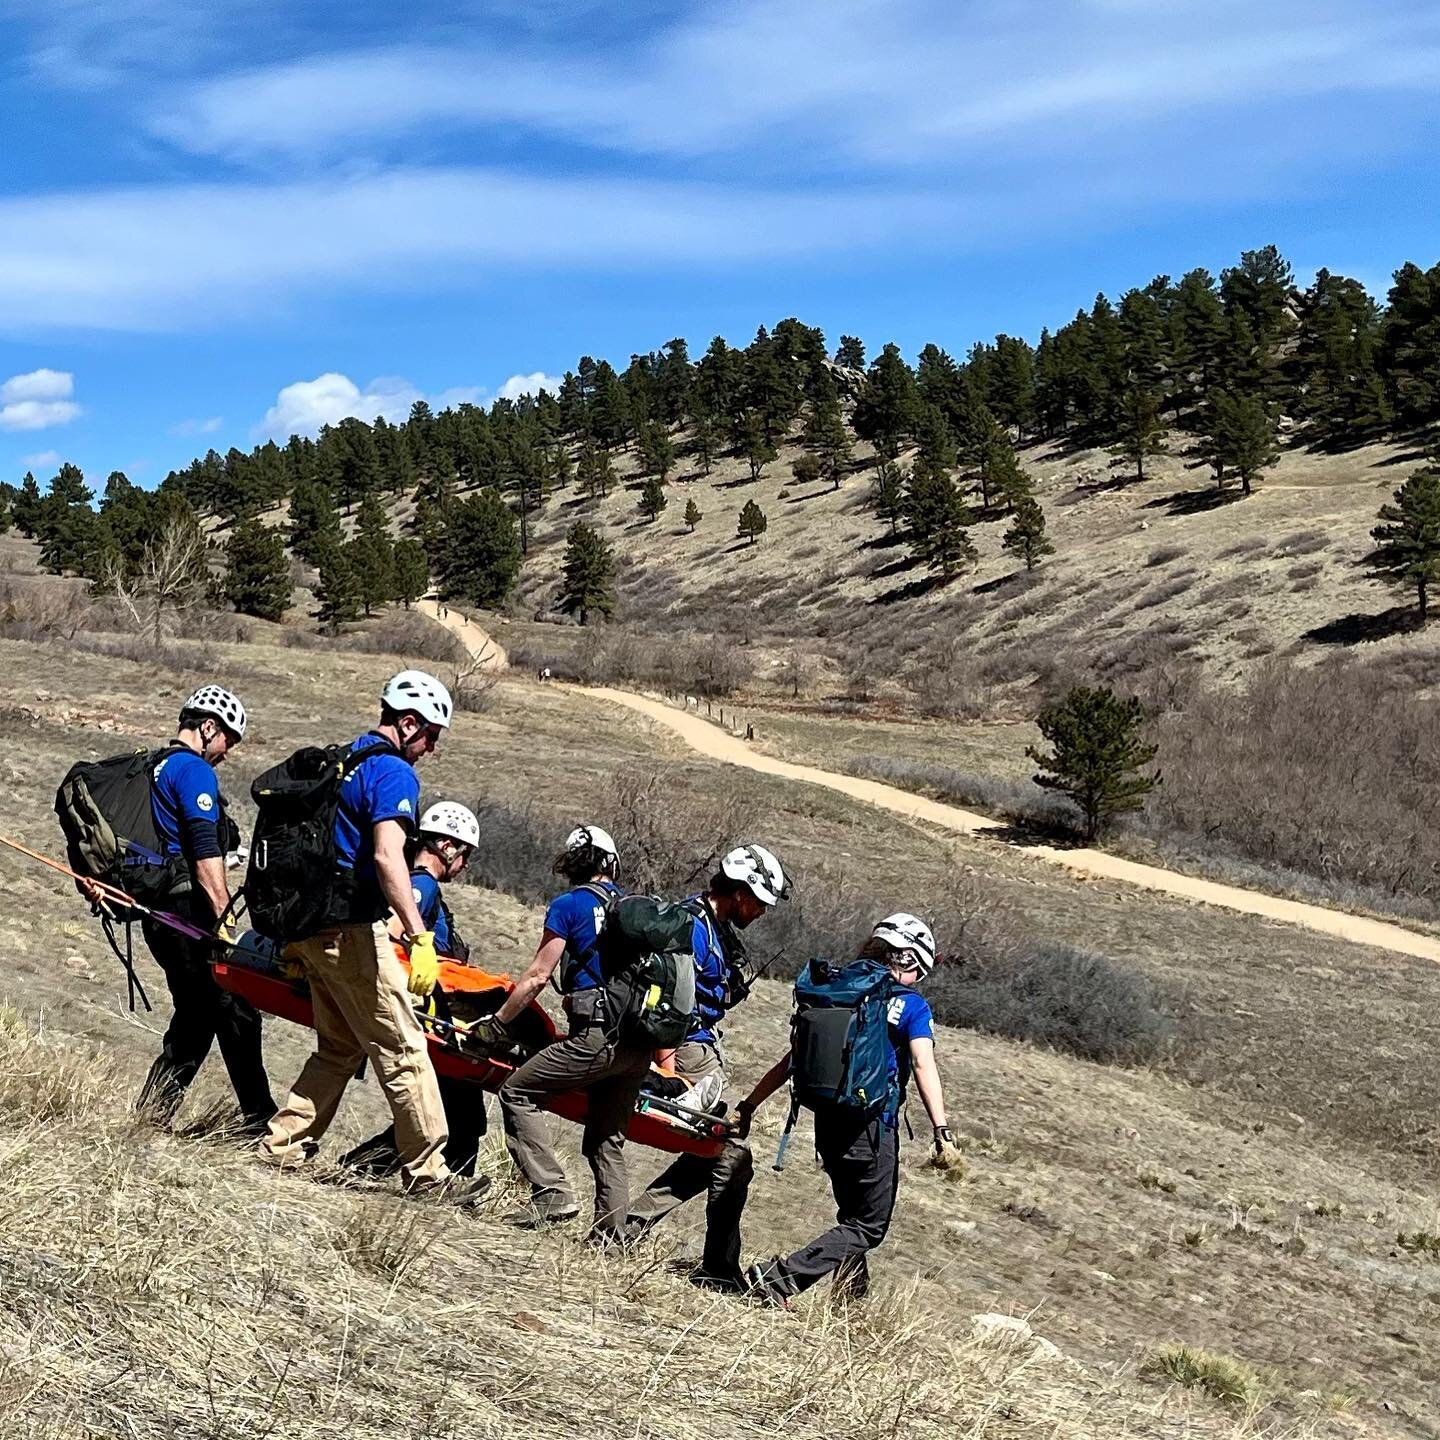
x=452, y=821
x=757, y=868
x=218, y=703
x=421, y=694
x=906, y=932
x=593, y=835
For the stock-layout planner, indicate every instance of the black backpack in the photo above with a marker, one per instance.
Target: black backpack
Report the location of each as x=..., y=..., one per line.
x=104, y=810
x=649, y=968
x=295, y=884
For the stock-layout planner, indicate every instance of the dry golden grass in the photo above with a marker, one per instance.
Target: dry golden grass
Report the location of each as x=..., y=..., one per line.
x=153, y=1286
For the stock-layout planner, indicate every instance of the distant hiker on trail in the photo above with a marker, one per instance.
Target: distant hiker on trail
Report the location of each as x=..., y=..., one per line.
x=838, y=1074
x=588, y=1058
x=749, y=881
x=441, y=849
x=190, y=822
x=360, y=992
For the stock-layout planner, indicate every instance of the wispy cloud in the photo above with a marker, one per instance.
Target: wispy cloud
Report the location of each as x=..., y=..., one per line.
x=518, y=385
x=882, y=81
x=198, y=427
x=41, y=459
x=159, y=257
x=37, y=400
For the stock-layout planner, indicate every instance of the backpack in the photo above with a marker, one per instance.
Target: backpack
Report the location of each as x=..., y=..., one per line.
x=103, y=807
x=649, y=968
x=840, y=1051
x=295, y=884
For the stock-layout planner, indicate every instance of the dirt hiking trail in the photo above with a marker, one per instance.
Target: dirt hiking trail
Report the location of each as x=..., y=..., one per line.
x=709, y=740
x=479, y=642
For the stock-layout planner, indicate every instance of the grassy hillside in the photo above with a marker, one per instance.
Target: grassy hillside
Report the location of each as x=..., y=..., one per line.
x=1244, y=1195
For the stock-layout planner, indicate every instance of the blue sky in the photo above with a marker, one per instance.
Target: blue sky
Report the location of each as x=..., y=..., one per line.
x=216, y=229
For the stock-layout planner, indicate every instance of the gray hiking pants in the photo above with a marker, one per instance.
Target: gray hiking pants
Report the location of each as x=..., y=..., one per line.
x=862, y=1159
x=725, y=1180
x=609, y=1072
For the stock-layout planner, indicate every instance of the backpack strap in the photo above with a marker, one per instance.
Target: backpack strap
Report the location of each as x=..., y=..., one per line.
x=355, y=758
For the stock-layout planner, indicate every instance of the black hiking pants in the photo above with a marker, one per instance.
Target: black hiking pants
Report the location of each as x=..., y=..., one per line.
x=464, y=1118
x=862, y=1159
x=203, y=1015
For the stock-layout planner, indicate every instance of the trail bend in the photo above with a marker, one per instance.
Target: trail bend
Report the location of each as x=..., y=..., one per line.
x=714, y=743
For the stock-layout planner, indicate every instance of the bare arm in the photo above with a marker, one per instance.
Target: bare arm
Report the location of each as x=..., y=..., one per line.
x=768, y=1083
x=210, y=877
x=534, y=980
x=927, y=1080
x=394, y=875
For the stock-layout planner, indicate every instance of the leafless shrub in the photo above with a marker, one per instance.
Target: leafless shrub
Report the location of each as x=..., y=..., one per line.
x=1304, y=569
x=39, y=610
x=408, y=634
x=171, y=578
x=1167, y=589
x=1228, y=589
x=473, y=682
x=1164, y=555
x=1303, y=542
x=1253, y=546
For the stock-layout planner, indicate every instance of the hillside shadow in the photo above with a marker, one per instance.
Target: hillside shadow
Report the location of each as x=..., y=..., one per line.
x=1358, y=629
x=809, y=495
x=1405, y=457
x=894, y=567
x=1195, y=502
x=911, y=590
x=733, y=484
x=1013, y=581
x=887, y=541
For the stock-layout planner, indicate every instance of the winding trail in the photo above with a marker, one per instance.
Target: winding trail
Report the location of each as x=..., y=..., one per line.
x=479, y=642
x=709, y=740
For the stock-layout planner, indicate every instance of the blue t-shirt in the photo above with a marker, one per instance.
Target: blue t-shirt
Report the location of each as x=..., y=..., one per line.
x=184, y=790
x=383, y=787
x=712, y=981
x=426, y=890
x=909, y=1018
x=577, y=917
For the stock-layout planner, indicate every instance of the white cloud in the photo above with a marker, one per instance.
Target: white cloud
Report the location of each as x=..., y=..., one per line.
x=518, y=385
x=198, y=427
x=304, y=406
x=41, y=459
x=37, y=400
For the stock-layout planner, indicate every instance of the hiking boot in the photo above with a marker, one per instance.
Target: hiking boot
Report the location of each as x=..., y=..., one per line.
x=546, y=1207
x=717, y=1280
x=766, y=1282
x=455, y=1191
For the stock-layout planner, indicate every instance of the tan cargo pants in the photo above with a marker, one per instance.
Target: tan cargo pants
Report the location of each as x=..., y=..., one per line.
x=363, y=1010
x=610, y=1074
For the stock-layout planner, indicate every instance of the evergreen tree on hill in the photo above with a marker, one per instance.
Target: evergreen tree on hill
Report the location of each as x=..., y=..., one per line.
x=888, y=496
x=1259, y=299
x=705, y=432
x=936, y=517
x=338, y=592
x=771, y=389
x=1026, y=536
x=825, y=431
x=755, y=444
x=411, y=571
x=589, y=574
x=482, y=550
x=692, y=515
x=657, y=453
x=66, y=525
x=652, y=497
x=1141, y=430
x=752, y=521
x=851, y=353
x=7, y=499
x=1407, y=541
x=1241, y=437
x=26, y=506
x=1006, y=479
x=595, y=472
x=1410, y=346
x=1337, y=348
x=806, y=470
x=373, y=522
x=609, y=410
x=1011, y=391
x=718, y=380
x=257, y=571
x=1196, y=335
x=886, y=411
x=677, y=377
x=314, y=523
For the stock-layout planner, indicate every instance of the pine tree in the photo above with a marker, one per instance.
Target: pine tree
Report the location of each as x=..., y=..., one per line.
x=825, y=432
x=886, y=411
x=26, y=506
x=1195, y=335
x=1011, y=393
x=806, y=469
x=1026, y=536
x=1241, y=437
x=482, y=550
x=7, y=499
x=372, y=564
x=889, y=494
x=65, y=524
x=1007, y=479
x=851, y=354
x=1141, y=431
x=704, y=433
x=338, y=592
x=1407, y=542
x=595, y=471
x=1410, y=345
x=657, y=452
x=755, y=444
x=1337, y=349
x=411, y=571
x=652, y=497
x=257, y=571
x=937, y=518
x=314, y=521
x=589, y=570
x=752, y=521
x=1098, y=753
x=692, y=514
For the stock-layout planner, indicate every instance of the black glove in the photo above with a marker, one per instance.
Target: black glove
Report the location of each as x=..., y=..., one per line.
x=942, y=1138
x=491, y=1033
